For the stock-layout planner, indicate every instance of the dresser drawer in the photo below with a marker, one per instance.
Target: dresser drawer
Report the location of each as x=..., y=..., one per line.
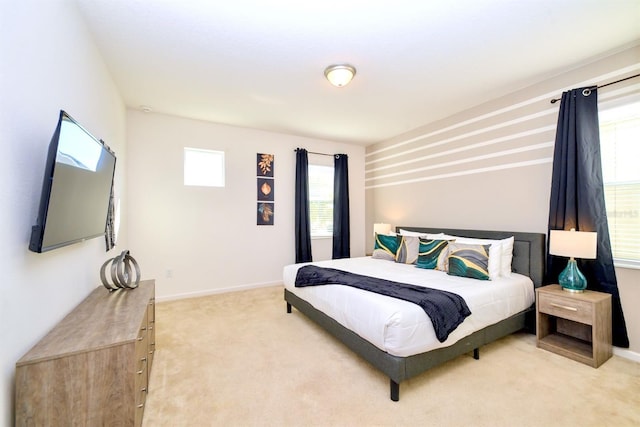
x=142, y=350
x=141, y=385
x=141, y=397
x=151, y=348
x=141, y=382
x=566, y=308
x=142, y=365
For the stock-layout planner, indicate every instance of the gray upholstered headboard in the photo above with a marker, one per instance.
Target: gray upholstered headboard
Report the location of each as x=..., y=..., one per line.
x=528, y=248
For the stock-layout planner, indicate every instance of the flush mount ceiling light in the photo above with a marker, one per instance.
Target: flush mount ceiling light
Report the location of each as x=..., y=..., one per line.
x=340, y=75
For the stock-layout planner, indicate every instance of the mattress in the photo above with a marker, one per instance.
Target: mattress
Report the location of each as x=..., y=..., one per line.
x=402, y=328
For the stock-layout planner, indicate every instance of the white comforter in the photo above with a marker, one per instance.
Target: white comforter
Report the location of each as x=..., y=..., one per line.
x=402, y=328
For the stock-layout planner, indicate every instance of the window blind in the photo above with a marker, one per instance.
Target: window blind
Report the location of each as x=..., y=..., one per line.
x=620, y=146
x=321, y=200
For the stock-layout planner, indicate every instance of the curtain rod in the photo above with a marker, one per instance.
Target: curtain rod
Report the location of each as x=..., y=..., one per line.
x=553, y=101
x=313, y=152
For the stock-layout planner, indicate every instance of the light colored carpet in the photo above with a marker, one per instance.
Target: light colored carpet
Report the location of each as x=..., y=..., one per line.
x=239, y=359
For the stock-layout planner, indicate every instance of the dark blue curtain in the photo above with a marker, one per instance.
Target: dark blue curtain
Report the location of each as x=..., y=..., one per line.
x=302, y=218
x=577, y=197
x=341, y=233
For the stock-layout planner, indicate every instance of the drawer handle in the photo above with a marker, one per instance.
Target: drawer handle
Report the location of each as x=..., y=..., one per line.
x=144, y=328
x=140, y=406
x=565, y=307
x=144, y=359
x=140, y=338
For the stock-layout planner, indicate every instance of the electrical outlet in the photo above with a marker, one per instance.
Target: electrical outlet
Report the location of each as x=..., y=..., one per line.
x=168, y=273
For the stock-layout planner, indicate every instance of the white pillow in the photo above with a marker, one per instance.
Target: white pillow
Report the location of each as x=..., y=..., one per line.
x=429, y=236
x=507, y=256
x=500, y=253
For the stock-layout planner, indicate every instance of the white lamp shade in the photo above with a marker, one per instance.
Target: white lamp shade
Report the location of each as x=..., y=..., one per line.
x=575, y=244
x=381, y=228
x=339, y=75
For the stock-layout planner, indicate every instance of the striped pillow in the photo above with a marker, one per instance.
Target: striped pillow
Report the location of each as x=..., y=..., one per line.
x=469, y=260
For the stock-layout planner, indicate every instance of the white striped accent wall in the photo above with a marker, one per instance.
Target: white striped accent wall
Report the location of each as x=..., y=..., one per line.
x=513, y=136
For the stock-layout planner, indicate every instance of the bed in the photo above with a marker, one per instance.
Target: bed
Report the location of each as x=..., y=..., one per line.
x=393, y=335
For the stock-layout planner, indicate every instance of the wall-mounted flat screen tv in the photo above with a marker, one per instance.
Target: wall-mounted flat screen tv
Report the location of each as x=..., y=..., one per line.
x=76, y=188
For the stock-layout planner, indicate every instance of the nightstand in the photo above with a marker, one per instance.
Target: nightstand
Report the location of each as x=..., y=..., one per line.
x=575, y=325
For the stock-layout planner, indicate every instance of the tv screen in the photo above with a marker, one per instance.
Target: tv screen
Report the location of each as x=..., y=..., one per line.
x=76, y=188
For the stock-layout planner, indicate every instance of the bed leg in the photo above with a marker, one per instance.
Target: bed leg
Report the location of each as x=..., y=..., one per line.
x=476, y=353
x=288, y=308
x=395, y=390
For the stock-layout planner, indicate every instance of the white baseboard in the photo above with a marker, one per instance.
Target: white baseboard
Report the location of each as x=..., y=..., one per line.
x=627, y=354
x=217, y=291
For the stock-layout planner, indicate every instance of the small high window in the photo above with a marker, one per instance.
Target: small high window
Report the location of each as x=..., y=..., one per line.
x=203, y=167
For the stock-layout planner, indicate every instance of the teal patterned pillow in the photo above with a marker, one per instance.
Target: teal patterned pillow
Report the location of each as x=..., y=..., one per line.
x=469, y=260
x=407, y=252
x=431, y=253
x=385, y=247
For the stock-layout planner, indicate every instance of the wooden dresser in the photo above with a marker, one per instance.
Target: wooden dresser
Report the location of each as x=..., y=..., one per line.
x=92, y=368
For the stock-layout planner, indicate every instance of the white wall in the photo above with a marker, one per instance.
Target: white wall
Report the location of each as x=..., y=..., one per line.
x=47, y=63
x=207, y=237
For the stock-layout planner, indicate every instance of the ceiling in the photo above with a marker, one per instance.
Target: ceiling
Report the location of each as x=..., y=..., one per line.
x=260, y=64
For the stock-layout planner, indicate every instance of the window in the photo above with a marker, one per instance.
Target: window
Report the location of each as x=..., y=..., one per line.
x=321, y=200
x=203, y=167
x=620, y=146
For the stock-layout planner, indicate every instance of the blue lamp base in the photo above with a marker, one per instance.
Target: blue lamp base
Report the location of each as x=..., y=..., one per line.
x=571, y=279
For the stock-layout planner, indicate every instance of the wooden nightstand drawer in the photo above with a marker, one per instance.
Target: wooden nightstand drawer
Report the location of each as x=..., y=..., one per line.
x=566, y=308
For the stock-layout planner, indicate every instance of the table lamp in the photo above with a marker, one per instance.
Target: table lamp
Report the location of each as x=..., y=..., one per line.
x=380, y=228
x=573, y=244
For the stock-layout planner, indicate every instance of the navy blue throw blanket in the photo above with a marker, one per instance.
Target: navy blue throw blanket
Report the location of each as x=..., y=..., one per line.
x=446, y=309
